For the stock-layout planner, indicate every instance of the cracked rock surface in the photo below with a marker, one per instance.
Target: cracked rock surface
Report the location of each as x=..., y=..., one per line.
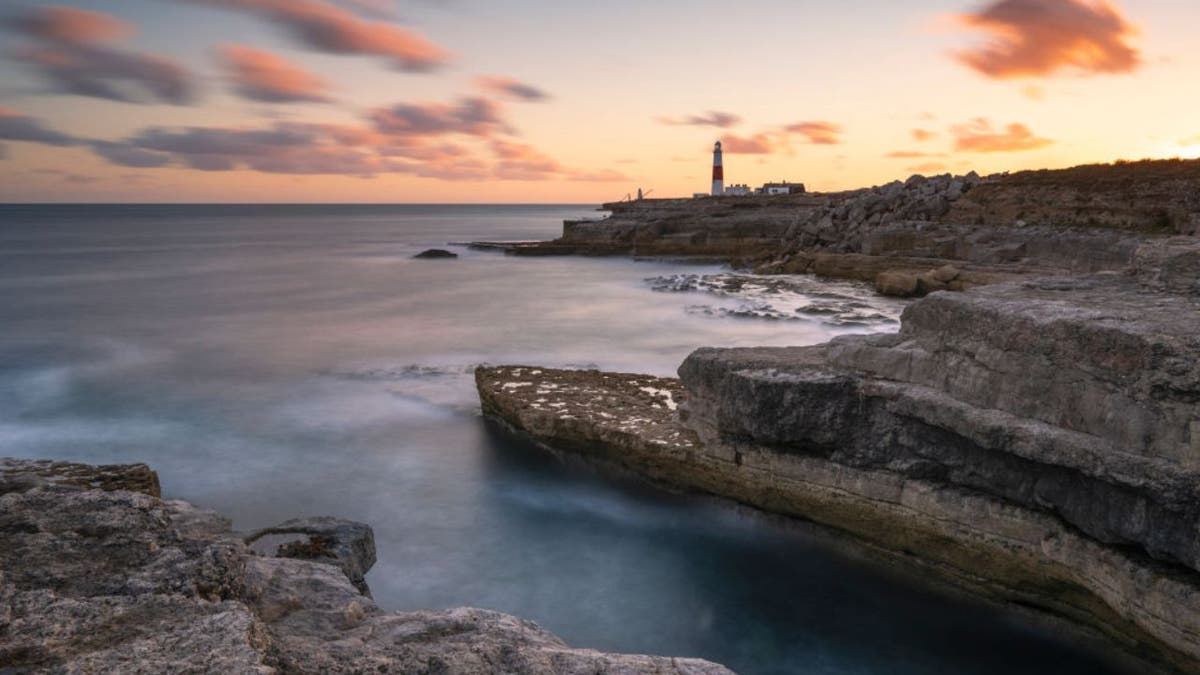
x=117, y=580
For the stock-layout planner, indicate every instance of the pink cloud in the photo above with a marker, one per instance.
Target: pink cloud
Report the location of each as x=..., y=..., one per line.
x=1033, y=38
x=71, y=25
x=473, y=116
x=979, y=136
x=263, y=76
x=326, y=27
x=404, y=139
x=922, y=135
x=712, y=118
x=74, y=55
x=817, y=132
x=507, y=86
x=758, y=144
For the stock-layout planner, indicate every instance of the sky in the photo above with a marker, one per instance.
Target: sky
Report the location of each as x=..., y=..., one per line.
x=527, y=101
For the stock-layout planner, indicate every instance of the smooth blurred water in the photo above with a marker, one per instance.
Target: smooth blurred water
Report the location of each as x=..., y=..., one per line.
x=278, y=361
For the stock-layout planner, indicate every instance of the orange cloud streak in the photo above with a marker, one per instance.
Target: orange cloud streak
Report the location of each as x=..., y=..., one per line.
x=980, y=136
x=1034, y=38
x=817, y=132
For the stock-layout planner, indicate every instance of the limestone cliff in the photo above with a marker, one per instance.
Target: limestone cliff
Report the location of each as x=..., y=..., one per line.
x=1036, y=441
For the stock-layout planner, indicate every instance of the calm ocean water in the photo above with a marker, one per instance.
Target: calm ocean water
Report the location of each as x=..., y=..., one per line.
x=278, y=361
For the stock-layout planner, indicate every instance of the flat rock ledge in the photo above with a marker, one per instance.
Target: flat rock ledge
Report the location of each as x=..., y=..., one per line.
x=98, y=574
x=1036, y=443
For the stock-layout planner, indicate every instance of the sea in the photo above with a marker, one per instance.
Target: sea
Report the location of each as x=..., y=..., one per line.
x=277, y=361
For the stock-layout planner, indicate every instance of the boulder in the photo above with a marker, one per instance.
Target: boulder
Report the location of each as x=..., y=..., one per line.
x=897, y=284
x=945, y=273
x=929, y=283
x=435, y=254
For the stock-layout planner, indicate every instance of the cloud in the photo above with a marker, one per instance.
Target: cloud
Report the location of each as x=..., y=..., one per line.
x=911, y=154
x=328, y=28
x=922, y=135
x=712, y=118
x=1033, y=92
x=123, y=154
x=380, y=9
x=443, y=141
x=817, y=132
x=1035, y=38
x=17, y=127
x=283, y=148
x=263, y=76
x=519, y=161
x=73, y=51
x=71, y=26
x=979, y=136
x=472, y=116
x=928, y=167
x=758, y=144
x=507, y=86
x=66, y=176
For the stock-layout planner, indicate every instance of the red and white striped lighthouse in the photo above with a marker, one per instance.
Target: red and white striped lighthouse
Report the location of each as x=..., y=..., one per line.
x=718, y=186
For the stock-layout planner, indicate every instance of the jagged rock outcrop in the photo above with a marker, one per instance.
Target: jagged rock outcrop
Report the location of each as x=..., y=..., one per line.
x=1036, y=441
x=20, y=475
x=98, y=578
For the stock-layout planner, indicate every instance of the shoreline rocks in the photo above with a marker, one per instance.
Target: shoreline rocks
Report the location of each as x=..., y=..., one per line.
x=95, y=578
x=435, y=254
x=1036, y=442
x=992, y=229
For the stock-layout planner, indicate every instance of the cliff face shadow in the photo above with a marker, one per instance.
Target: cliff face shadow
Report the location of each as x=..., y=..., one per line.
x=701, y=577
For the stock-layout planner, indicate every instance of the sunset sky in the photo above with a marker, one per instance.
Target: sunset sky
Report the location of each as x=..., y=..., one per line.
x=561, y=101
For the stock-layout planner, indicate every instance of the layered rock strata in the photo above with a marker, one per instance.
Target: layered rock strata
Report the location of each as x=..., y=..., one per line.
x=1038, y=442
x=100, y=577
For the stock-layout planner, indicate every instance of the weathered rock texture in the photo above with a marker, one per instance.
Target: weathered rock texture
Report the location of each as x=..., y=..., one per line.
x=1036, y=441
x=993, y=229
x=96, y=580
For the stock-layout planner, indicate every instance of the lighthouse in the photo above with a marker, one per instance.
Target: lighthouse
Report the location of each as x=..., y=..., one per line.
x=718, y=185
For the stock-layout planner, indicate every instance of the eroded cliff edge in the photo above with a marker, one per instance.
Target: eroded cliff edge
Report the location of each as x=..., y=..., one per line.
x=98, y=574
x=1037, y=442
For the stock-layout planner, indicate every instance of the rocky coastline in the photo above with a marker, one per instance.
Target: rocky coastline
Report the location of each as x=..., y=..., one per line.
x=1035, y=441
x=99, y=574
x=916, y=236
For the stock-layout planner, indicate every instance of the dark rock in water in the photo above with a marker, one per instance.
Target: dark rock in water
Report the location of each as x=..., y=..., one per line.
x=344, y=543
x=435, y=254
x=99, y=576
